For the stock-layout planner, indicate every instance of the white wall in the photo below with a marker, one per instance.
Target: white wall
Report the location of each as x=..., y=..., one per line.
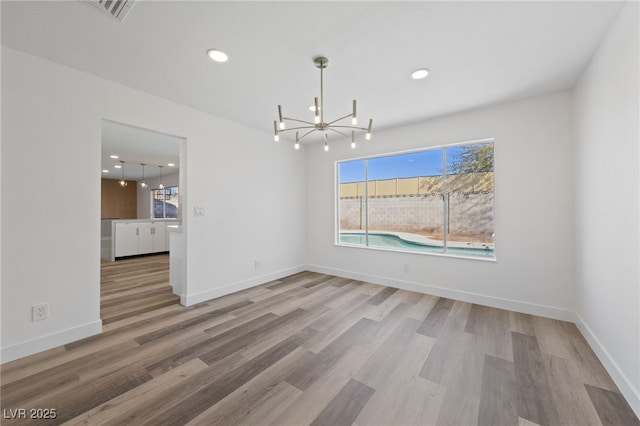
x=533, y=272
x=52, y=117
x=607, y=135
x=144, y=194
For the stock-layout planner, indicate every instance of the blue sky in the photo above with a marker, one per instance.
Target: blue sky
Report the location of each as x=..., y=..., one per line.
x=424, y=163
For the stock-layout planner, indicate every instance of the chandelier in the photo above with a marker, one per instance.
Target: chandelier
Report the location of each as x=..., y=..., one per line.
x=319, y=125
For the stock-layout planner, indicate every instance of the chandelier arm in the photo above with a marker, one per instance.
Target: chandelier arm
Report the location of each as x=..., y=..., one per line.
x=299, y=121
x=341, y=118
x=309, y=132
x=351, y=127
x=338, y=131
x=298, y=128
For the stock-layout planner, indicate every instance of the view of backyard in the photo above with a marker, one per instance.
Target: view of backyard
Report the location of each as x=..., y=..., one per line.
x=437, y=200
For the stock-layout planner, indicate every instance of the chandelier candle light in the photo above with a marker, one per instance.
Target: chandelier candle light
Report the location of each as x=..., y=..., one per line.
x=319, y=125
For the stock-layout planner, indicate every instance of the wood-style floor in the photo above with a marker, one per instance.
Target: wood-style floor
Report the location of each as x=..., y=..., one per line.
x=321, y=350
x=133, y=286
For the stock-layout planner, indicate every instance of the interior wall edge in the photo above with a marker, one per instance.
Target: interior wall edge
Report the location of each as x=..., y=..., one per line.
x=463, y=296
x=49, y=341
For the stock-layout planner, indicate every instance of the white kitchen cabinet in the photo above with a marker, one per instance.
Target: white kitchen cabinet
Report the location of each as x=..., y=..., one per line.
x=145, y=238
x=126, y=239
x=159, y=237
x=133, y=237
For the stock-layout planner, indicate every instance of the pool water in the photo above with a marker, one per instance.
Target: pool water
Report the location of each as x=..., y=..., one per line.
x=395, y=242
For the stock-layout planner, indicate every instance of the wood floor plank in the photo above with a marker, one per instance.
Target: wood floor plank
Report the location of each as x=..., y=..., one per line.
x=532, y=386
x=446, y=356
x=498, y=402
x=313, y=400
x=521, y=323
x=424, y=304
x=69, y=405
x=551, y=337
x=23, y=367
x=207, y=345
x=134, y=286
x=243, y=341
x=382, y=295
x=182, y=325
x=199, y=401
x=345, y=406
x=312, y=349
x=405, y=398
x=265, y=393
x=566, y=384
x=22, y=389
x=283, y=331
x=461, y=400
x=591, y=371
x=491, y=329
x=383, y=363
x=436, y=318
x=611, y=407
x=148, y=407
x=307, y=373
x=331, y=326
x=129, y=400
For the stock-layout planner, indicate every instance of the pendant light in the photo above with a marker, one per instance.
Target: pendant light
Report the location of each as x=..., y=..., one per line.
x=122, y=182
x=161, y=186
x=142, y=182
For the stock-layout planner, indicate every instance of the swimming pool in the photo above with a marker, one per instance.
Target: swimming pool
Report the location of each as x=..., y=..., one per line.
x=391, y=241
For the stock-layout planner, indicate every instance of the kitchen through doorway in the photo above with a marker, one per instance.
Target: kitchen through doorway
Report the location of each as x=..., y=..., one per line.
x=141, y=205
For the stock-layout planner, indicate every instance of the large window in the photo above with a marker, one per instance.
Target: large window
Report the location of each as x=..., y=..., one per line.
x=437, y=200
x=165, y=203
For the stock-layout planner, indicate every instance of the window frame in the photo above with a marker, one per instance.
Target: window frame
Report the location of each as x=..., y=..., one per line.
x=164, y=211
x=366, y=245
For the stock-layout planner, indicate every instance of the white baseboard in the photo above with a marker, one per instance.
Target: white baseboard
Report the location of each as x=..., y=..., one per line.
x=32, y=346
x=192, y=299
x=495, y=302
x=626, y=386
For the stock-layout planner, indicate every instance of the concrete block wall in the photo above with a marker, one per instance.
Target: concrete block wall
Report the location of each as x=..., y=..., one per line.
x=468, y=213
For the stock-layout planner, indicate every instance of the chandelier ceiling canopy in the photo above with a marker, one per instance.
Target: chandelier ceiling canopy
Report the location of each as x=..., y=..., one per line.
x=319, y=124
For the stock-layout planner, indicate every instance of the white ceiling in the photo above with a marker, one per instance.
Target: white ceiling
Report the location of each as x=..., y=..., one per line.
x=135, y=146
x=479, y=53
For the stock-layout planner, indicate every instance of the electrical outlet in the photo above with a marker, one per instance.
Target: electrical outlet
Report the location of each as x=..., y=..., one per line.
x=256, y=265
x=40, y=312
x=406, y=268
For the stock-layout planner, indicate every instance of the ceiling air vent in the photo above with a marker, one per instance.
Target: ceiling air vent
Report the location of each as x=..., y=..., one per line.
x=117, y=9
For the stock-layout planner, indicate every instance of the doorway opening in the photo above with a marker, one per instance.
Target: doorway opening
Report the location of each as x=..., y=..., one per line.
x=142, y=189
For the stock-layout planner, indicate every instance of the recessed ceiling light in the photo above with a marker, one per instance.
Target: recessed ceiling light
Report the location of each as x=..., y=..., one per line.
x=419, y=74
x=117, y=166
x=171, y=165
x=105, y=171
x=114, y=156
x=217, y=55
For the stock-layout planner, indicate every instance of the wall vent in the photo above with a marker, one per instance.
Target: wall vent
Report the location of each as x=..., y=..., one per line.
x=117, y=9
